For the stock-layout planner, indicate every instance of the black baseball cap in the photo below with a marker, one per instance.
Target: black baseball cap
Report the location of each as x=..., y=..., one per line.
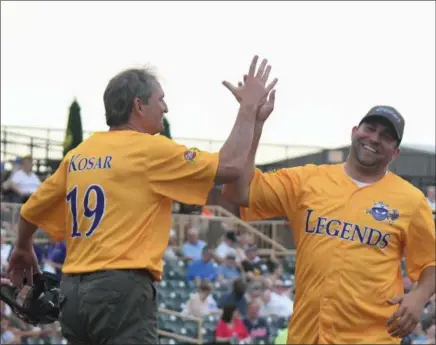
x=391, y=115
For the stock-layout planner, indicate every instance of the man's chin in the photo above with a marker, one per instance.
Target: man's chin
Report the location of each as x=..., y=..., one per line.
x=368, y=163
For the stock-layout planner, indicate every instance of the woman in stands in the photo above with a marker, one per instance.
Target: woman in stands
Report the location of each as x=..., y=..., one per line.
x=230, y=328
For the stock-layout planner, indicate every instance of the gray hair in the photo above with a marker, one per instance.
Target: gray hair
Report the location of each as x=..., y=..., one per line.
x=121, y=92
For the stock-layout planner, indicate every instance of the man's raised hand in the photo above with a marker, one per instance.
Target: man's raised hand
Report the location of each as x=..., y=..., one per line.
x=254, y=90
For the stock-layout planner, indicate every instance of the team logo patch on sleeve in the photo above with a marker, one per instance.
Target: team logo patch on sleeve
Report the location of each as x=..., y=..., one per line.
x=191, y=154
x=381, y=212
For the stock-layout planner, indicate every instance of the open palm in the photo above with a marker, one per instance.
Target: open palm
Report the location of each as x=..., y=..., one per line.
x=266, y=106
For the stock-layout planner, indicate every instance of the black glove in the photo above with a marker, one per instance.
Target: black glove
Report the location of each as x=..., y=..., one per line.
x=38, y=304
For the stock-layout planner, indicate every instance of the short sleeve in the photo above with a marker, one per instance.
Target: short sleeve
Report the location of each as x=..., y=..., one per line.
x=273, y=194
x=180, y=173
x=46, y=207
x=420, y=241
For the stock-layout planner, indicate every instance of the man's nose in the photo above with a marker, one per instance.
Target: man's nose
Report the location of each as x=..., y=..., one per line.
x=375, y=137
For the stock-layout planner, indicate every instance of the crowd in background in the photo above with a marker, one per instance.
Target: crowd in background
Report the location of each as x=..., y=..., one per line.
x=258, y=288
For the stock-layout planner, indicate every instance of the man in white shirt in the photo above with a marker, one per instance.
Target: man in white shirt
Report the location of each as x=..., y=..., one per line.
x=24, y=181
x=277, y=302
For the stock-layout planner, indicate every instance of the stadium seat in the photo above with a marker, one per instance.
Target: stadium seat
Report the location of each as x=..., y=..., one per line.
x=191, y=327
x=167, y=341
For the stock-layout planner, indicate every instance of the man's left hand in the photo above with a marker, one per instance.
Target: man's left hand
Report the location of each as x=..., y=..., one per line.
x=407, y=316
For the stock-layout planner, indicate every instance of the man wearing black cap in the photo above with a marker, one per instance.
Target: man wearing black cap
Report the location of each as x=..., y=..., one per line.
x=352, y=223
x=374, y=144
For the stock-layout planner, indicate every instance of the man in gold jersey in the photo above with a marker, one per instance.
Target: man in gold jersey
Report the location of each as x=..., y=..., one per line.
x=353, y=223
x=110, y=200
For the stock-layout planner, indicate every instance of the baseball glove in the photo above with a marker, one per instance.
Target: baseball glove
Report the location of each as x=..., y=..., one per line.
x=38, y=304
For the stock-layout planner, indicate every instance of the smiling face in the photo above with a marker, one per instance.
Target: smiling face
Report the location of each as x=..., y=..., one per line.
x=374, y=144
x=151, y=113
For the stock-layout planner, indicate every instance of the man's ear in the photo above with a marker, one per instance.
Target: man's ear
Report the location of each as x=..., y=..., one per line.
x=396, y=153
x=354, y=131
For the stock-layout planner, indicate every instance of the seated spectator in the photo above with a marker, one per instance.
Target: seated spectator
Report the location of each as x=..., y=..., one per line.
x=193, y=246
x=57, y=257
x=277, y=304
x=24, y=181
x=256, y=326
x=171, y=253
x=253, y=265
x=7, y=192
x=203, y=269
x=236, y=297
x=227, y=246
x=8, y=334
x=230, y=327
x=245, y=240
x=283, y=288
x=227, y=271
x=254, y=293
x=276, y=272
x=6, y=249
x=202, y=302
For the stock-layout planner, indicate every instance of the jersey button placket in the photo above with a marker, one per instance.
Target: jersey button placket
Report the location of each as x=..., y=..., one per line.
x=331, y=285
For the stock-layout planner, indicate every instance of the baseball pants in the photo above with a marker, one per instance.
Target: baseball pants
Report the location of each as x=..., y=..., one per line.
x=109, y=307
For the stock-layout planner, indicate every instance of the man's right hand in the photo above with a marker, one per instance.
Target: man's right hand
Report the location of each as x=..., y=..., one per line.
x=23, y=263
x=253, y=91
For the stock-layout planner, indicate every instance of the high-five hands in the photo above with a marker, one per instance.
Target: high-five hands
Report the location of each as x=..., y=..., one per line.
x=253, y=88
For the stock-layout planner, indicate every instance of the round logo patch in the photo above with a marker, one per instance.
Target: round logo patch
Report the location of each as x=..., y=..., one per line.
x=191, y=154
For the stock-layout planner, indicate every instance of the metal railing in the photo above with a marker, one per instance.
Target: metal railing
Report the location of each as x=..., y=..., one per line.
x=47, y=144
x=273, y=238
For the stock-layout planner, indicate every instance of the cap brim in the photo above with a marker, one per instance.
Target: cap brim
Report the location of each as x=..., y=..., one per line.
x=385, y=119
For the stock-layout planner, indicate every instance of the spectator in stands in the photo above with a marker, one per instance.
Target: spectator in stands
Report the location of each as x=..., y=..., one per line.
x=57, y=257
x=236, y=297
x=254, y=292
x=203, y=269
x=7, y=192
x=228, y=271
x=24, y=181
x=171, y=253
x=276, y=269
x=7, y=334
x=253, y=265
x=227, y=246
x=276, y=303
x=283, y=288
x=230, y=327
x=245, y=240
x=6, y=249
x=256, y=326
x=202, y=302
x=193, y=246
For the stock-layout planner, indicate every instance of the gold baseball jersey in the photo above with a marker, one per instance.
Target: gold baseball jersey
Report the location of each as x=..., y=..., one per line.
x=111, y=199
x=350, y=242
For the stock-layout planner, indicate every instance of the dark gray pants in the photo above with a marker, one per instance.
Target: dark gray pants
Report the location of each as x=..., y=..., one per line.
x=109, y=307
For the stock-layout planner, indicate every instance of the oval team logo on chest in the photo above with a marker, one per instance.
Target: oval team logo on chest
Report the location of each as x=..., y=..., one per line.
x=380, y=212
